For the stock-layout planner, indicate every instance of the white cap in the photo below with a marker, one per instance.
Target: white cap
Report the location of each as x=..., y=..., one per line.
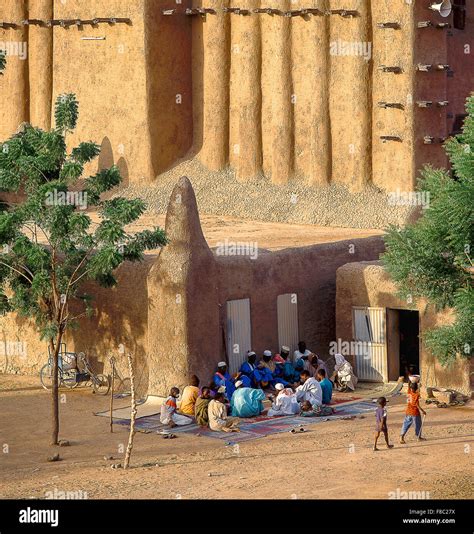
x=238, y=383
x=221, y=389
x=250, y=353
x=279, y=387
x=222, y=364
x=285, y=348
x=267, y=352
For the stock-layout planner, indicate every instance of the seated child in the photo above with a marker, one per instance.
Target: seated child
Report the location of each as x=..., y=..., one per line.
x=190, y=394
x=201, y=407
x=326, y=386
x=168, y=415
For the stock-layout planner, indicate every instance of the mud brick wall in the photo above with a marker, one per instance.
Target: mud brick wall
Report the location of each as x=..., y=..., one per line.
x=267, y=94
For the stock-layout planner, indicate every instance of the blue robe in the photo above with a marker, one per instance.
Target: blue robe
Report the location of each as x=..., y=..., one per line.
x=248, y=370
x=247, y=402
x=289, y=372
x=227, y=381
x=247, y=383
x=279, y=374
x=263, y=374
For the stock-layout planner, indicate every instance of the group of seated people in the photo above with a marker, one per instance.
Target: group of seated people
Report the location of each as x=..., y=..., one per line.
x=298, y=384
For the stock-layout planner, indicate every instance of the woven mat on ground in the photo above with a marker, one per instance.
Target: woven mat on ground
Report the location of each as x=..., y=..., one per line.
x=340, y=399
x=151, y=406
x=252, y=428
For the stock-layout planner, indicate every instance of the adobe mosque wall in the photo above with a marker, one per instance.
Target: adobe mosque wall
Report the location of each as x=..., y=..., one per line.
x=169, y=311
x=367, y=283
x=299, y=97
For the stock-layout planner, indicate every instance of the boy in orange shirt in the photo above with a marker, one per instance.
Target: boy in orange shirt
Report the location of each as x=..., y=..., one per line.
x=412, y=412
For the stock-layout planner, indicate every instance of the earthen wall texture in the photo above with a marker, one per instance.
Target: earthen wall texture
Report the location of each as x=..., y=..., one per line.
x=368, y=284
x=286, y=97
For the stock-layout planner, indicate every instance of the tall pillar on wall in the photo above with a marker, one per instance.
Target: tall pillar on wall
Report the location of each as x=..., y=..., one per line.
x=14, y=87
x=282, y=107
x=246, y=133
x=393, y=161
x=350, y=95
x=183, y=304
x=310, y=57
x=215, y=97
x=41, y=64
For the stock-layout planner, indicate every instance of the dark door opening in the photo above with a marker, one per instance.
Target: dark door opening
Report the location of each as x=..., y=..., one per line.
x=403, y=343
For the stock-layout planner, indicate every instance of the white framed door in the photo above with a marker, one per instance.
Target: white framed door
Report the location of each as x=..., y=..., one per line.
x=239, y=328
x=369, y=332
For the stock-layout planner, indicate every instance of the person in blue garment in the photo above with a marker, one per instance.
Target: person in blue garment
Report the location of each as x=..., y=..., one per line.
x=326, y=386
x=246, y=402
x=298, y=369
x=223, y=379
x=288, y=369
x=247, y=369
x=263, y=375
x=279, y=370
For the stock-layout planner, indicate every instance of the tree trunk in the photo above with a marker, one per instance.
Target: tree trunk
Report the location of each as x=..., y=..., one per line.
x=55, y=388
x=133, y=414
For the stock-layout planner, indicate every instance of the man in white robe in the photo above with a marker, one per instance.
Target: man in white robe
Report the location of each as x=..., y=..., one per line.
x=285, y=402
x=343, y=374
x=310, y=390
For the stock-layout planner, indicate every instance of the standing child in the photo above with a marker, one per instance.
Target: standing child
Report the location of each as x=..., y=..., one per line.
x=381, y=422
x=412, y=413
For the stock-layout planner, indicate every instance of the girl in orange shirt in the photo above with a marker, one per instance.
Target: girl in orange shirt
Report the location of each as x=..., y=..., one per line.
x=412, y=414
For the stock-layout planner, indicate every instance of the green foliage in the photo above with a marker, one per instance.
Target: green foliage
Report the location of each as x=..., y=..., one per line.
x=50, y=244
x=66, y=112
x=432, y=258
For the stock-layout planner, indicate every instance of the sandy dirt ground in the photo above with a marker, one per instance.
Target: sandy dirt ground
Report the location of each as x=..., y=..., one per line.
x=332, y=460
x=269, y=236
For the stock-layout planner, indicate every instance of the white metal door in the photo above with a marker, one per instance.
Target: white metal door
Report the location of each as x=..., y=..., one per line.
x=287, y=311
x=369, y=333
x=238, y=332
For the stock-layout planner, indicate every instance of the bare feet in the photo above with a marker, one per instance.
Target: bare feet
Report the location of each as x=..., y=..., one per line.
x=390, y=446
x=421, y=439
x=402, y=441
x=375, y=449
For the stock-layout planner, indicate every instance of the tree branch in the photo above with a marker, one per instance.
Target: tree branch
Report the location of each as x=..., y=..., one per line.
x=17, y=271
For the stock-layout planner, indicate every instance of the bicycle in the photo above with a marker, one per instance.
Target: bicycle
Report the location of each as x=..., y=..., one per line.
x=74, y=369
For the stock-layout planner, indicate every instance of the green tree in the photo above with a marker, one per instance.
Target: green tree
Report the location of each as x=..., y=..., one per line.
x=432, y=258
x=50, y=244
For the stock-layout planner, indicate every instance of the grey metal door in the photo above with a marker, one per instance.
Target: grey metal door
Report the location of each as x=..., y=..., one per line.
x=239, y=329
x=287, y=311
x=369, y=328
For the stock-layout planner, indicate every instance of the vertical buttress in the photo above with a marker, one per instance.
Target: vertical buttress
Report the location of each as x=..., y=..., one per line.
x=15, y=90
x=41, y=64
x=310, y=53
x=282, y=107
x=350, y=94
x=215, y=116
x=246, y=56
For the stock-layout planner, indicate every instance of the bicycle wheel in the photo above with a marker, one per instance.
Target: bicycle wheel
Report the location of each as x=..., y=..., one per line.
x=101, y=384
x=69, y=379
x=46, y=376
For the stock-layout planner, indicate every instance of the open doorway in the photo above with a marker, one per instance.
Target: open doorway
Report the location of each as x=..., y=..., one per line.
x=403, y=343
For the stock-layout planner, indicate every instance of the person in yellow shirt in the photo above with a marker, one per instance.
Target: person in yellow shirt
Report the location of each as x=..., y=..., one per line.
x=190, y=394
